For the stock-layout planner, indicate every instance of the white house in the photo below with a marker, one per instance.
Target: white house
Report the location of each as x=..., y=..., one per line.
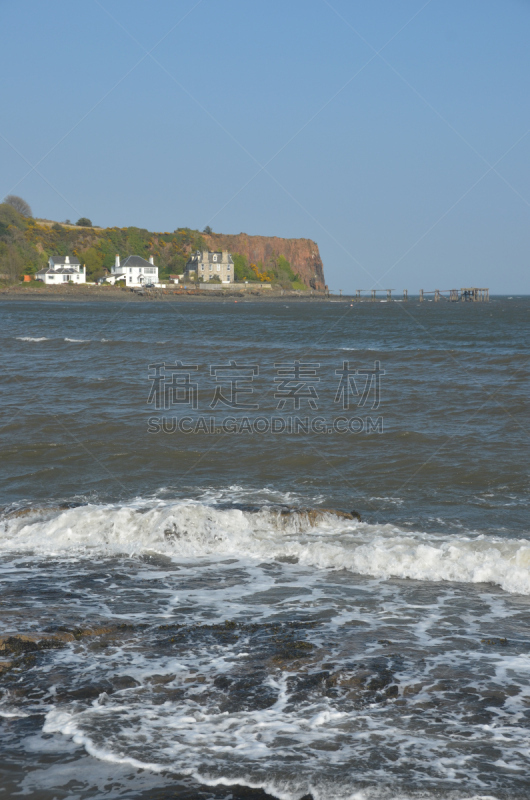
x=62, y=269
x=135, y=271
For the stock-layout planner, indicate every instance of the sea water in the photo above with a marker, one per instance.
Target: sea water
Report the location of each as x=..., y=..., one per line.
x=206, y=634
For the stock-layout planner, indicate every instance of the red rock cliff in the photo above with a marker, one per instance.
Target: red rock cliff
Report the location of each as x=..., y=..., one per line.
x=302, y=254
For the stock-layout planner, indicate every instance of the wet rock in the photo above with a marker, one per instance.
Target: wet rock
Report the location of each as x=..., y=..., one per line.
x=22, y=644
x=26, y=510
x=160, y=679
x=412, y=689
x=124, y=682
x=222, y=682
x=164, y=694
x=338, y=513
x=315, y=516
x=19, y=512
x=380, y=681
x=289, y=650
x=86, y=691
x=382, y=675
x=329, y=746
x=79, y=633
x=249, y=693
x=302, y=687
x=195, y=679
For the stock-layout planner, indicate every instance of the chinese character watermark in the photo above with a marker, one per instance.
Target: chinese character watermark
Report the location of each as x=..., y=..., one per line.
x=296, y=384
x=175, y=386
x=235, y=379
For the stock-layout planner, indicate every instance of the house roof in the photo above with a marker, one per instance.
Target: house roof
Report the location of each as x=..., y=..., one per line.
x=73, y=260
x=136, y=261
x=59, y=271
x=198, y=256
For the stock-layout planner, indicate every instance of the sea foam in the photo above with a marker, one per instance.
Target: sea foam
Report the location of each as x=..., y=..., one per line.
x=193, y=530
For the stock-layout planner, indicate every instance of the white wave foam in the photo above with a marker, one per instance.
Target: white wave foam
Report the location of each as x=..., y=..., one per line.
x=191, y=530
x=246, y=747
x=32, y=338
x=14, y=714
x=77, y=341
x=395, y=500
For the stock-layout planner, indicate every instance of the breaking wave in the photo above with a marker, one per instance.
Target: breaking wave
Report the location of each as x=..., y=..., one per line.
x=320, y=540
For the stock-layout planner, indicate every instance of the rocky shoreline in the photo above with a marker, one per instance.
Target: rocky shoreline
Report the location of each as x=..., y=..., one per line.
x=104, y=293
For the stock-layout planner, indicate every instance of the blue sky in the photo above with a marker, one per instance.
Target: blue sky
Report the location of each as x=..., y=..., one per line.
x=395, y=134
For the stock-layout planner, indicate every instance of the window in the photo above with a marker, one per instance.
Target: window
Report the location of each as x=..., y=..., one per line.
x=215, y=258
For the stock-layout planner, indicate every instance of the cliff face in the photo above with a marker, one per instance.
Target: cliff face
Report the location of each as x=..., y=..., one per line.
x=27, y=243
x=302, y=254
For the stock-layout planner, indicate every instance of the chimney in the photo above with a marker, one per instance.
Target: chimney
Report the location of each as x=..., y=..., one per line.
x=117, y=262
x=225, y=257
x=67, y=259
x=151, y=260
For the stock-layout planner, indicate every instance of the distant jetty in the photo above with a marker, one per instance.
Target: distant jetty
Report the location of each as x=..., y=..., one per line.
x=468, y=295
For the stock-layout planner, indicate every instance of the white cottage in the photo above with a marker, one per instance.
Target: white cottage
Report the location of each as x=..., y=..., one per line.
x=135, y=271
x=62, y=269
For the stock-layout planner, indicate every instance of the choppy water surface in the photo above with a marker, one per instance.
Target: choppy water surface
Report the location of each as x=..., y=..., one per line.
x=187, y=637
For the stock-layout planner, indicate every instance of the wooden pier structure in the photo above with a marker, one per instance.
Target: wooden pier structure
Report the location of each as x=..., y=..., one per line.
x=373, y=294
x=469, y=295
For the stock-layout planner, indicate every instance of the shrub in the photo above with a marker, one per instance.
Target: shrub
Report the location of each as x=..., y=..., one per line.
x=84, y=222
x=242, y=270
x=10, y=216
x=93, y=260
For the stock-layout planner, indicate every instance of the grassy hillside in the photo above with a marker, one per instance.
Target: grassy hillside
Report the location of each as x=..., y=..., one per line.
x=27, y=243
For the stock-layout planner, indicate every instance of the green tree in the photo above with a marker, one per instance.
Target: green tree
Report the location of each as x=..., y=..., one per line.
x=242, y=269
x=284, y=275
x=93, y=259
x=10, y=262
x=18, y=204
x=10, y=216
x=84, y=222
